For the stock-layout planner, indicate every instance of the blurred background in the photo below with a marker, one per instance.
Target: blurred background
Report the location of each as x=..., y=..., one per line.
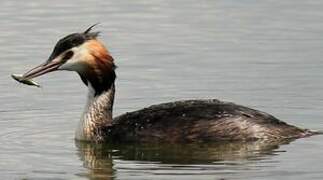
x=263, y=54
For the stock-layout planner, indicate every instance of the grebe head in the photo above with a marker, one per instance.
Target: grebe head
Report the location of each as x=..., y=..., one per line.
x=83, y=53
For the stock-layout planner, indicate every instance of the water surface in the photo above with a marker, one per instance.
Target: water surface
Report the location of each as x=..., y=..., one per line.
x=263, y=54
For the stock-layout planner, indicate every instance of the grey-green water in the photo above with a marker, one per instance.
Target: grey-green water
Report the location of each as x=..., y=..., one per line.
x=263, y=54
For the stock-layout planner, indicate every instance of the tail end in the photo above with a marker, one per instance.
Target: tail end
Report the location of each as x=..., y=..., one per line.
x=308, y=133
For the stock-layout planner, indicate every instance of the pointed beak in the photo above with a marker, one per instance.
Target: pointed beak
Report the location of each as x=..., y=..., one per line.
x=42, y=69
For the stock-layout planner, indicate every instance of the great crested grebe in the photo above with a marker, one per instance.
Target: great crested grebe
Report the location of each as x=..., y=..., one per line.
x=181, y=121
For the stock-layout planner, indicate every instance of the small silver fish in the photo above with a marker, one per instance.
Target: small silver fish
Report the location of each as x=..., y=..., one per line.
x=19, y=78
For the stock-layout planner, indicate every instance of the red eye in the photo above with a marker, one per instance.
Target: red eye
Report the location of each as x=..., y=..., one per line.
x=68, y=55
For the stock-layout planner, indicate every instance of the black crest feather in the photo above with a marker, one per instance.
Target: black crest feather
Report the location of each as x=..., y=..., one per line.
x=73, y=40
x=91, y=35
x=90, y=28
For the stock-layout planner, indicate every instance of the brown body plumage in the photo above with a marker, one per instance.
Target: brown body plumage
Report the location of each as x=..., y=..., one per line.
x=182, y=121
x=200, y=121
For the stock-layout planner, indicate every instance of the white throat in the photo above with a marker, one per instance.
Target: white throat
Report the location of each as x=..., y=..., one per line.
x=90, y=97
x=96, y=116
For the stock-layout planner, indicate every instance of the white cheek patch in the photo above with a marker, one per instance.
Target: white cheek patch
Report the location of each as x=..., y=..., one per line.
x=75, y=62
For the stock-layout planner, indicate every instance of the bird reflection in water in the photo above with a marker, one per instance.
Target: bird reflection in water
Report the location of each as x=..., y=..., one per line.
x=100, y=159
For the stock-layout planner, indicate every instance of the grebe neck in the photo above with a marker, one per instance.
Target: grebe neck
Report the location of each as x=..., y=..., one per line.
x=97, y=115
